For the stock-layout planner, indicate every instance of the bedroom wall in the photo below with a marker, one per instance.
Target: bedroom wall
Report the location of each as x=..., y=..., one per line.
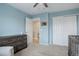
x=12, y=21
x=62, y=13
x=51, y=15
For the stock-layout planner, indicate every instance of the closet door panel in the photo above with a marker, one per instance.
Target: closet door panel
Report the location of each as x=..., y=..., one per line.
x=62, y=27
x=69, y=28
x=57, y=30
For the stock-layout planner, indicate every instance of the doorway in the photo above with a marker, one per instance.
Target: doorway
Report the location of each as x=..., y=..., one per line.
x=36, y=29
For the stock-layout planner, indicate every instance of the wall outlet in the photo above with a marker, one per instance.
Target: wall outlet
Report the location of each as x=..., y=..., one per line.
x=21, y=33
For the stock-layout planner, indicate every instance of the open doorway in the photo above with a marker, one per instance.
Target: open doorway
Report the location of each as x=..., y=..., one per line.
x=36, y=29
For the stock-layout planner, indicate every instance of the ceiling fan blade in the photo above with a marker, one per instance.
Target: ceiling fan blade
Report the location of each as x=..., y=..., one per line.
x=35, y=4
x=45, y=4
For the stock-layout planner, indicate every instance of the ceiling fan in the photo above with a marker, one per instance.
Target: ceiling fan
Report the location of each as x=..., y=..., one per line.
x=45, y=4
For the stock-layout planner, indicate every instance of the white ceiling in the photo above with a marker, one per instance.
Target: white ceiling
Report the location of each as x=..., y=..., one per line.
x=52, y=7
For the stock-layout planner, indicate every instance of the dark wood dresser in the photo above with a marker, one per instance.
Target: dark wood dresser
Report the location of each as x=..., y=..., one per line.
x=73, y=46
x=19, y=42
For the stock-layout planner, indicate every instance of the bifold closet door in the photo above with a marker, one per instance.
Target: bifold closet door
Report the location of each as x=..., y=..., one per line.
x=57, y=30
x=69, y=28
x=62, y=27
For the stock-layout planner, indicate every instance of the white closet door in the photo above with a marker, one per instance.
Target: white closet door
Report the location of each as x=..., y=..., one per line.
x=57, y=30
x=62, y=27
x=69, y=28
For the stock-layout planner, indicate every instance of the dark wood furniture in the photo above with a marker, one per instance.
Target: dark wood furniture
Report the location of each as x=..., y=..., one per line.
x=73, y=46
x=17, y=41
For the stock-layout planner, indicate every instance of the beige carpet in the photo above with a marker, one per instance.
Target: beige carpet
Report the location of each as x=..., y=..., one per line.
x=43, y=51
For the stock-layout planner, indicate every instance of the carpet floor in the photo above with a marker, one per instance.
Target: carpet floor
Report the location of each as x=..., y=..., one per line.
x=43, y=50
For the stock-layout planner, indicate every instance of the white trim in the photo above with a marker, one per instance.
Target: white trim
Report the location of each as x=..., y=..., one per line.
x=29, y=30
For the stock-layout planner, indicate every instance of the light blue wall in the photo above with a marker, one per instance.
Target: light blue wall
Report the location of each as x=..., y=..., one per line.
x=12, y=21
x=50, y=22
x=50, y=28
x=66, y=12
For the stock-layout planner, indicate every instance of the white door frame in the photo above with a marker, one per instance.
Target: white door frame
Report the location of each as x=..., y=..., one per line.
x=29, y=30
